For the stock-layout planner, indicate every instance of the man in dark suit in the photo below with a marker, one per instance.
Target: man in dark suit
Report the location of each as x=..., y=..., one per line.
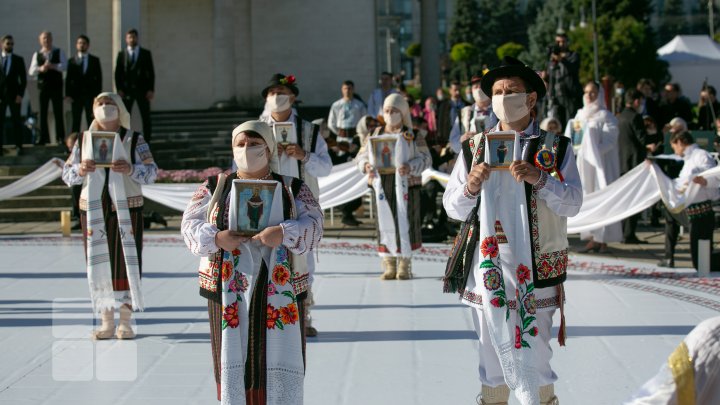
x=12, y=87
x=135, y=79
x=631, y=143
x=83, y=82
x=447, y=111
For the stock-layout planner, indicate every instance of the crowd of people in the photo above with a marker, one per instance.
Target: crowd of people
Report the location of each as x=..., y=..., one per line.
x=508, y=264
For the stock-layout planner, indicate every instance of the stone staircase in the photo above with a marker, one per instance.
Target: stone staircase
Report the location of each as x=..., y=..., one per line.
x=43, y=204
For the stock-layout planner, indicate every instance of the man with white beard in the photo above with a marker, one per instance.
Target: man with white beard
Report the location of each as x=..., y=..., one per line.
x=595, y=131
x=307, y=159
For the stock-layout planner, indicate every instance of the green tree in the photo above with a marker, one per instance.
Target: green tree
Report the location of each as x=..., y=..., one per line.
x=509, y=49
x=502, y=22
x=463, y=54
x=673, y=21
x=466, y=23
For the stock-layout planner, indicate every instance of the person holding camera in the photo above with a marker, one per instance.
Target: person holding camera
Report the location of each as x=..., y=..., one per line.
x=563, y=71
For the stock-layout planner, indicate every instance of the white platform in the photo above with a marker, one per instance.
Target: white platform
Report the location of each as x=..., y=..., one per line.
x=380, y=342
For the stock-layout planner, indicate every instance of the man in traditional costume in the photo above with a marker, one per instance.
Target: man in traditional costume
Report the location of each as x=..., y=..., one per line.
x=700, y=213
x=473, y=119
x=598, y=158
x=397, y=195
x=256, y=286
x=514, y=281
x=307, y=159
x=111, y=204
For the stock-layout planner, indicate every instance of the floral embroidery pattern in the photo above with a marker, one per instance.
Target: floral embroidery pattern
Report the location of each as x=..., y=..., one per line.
x=526, y=311
x=492, y=279
x=280, y=316
x=280, y=275
x=230, y=316
x=489, y=247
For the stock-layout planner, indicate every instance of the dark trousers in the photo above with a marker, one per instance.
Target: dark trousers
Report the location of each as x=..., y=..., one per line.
x=78, y=105
x=16, y=121
x=76, y=190
x=629, y=226
x=701, y=227
x=349, y=207
x=48, y=95
x=144, y=107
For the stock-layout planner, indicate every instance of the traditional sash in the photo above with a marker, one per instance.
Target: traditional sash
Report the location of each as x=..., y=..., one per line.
x=98, y=257
x=386, y=222
x=285, y=368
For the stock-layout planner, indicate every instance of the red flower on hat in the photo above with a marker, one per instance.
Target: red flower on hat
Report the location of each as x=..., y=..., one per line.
x=288, y=80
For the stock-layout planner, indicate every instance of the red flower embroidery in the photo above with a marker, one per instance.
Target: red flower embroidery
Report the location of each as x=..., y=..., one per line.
x=489, y=247
x=231, y=315
x=518, y=337
x=289, y=314
x=533, y=331
x=227, y=270
x=236, y=252
x=545, y=269
x=280, y=275
x=496, y=302
x=523, y=274
x=272, y=316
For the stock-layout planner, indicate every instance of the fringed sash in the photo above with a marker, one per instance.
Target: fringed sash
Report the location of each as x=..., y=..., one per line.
x=98, y=262
x=508, y=278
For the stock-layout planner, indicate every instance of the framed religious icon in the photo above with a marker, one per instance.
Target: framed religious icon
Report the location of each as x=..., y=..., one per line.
x=253, y=204
x=501, y=148
x=102, y=148
x=383, y=153
x=284, y=133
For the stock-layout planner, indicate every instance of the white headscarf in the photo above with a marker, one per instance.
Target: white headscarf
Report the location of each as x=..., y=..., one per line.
x=544, y=124
x=590, y=109
x=122, y=111
x=264, y=130
x=397, y=101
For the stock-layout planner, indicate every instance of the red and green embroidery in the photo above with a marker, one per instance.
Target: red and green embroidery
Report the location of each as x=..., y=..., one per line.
x=525, y=295
x=281, y=275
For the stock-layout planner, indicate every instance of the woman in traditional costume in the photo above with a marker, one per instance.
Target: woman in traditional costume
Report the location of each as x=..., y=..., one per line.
x=255, y=286
x=111, y=217
x=598, y=160
x=397, y=195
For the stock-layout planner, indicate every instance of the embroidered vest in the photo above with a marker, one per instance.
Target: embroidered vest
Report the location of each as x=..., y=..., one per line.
x=548, y=231
x=209, y=270
x=133, y=190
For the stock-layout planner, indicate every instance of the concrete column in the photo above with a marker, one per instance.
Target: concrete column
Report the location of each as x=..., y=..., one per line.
x=247, y=86
x=223, y=50
x=430, y=58
x=77, y=22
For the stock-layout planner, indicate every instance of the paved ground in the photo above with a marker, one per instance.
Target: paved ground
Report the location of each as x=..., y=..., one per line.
x=380, y=342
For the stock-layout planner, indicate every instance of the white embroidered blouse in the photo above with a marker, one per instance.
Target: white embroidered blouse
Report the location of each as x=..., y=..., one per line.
x=299, y=235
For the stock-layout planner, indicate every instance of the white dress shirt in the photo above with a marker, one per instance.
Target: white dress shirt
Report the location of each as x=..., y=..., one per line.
x=34, y=68
x=696, y=160
x=345, y=114
x=7, y=56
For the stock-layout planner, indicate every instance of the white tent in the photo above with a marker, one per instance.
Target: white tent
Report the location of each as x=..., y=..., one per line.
x=692, y=58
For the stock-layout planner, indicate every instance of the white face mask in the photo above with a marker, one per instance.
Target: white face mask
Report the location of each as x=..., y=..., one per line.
x=393, y=119
x=106, y=113
x=250, y=158
x=277, y=102
x=479, y=96
x=510, y=107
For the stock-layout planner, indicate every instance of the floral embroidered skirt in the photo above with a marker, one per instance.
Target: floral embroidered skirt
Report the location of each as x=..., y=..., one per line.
x=255, y=378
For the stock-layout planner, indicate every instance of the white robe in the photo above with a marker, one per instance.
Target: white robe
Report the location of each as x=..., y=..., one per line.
x=598, y=162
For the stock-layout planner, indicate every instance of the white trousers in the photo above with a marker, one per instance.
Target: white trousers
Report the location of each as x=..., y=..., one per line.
x=489, y=369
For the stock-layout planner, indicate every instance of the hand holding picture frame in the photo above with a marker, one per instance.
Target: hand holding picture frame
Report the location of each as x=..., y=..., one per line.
x=102, y=148
x=284, y=133
x=252, y=205
x=501, y=149
x=383, y=153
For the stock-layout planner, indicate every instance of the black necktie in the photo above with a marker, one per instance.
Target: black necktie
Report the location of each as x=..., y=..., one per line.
x=5, y=63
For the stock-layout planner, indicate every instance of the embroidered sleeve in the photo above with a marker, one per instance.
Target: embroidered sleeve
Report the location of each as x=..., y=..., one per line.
x=199, y=235
x=144, y=170
x=542, y=181
x=456, y=203
x=422, y=159
x=468, y=194
x=303, y=234
x=71, y=169
x=318, y=163
x=362, y=156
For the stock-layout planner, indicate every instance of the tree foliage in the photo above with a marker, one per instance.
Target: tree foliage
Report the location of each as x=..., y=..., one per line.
x=413, y=50
x=542, y=34
x=509, y=49
x=673, y=21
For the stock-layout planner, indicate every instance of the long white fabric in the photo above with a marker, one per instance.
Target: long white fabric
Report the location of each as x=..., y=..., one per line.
x=634, y=192
x=43, y=175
